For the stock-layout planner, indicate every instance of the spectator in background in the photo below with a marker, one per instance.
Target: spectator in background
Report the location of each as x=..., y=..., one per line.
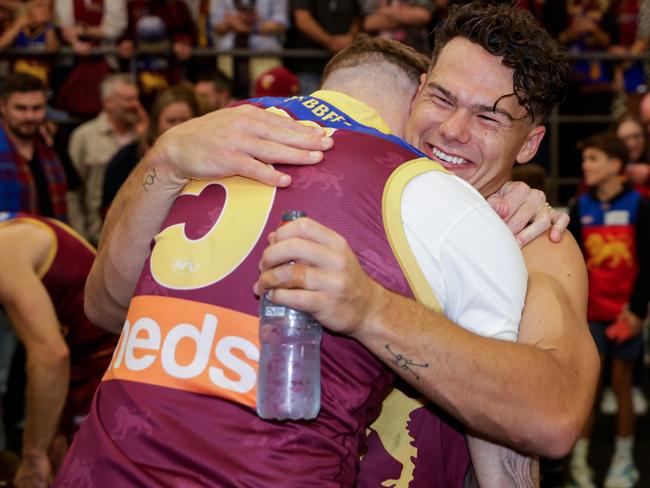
x=549, y=13
x=641, y=27
x=172, y=107
x=165, y=26
x=213, y=91
x=320, y=24
x=93, y=144
x=403, y=20
x=33, y=29
x=629, y=76
x=612, y=225
x=585, y=27
x=632, y=132
x=8, y=11
x=31, y=176
x=277, y=82
x=43, y=269
x=200, y=10
x=86, y=24
x=644, y=113
x=256, y=24
x=589, y=27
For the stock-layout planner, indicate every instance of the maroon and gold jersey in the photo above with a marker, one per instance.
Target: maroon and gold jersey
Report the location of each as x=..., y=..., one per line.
x=64, y=274
x=177, y=405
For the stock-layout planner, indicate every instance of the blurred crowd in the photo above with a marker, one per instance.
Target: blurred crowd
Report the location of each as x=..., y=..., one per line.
x=162, y=43
x=76, y=121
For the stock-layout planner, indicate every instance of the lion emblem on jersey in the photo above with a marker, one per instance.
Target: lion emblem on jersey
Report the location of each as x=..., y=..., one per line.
x=78, y=475
x=612, y=250
x=130, y=423
x=328, y=180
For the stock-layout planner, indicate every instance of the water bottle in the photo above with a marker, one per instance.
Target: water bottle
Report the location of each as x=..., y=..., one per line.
x=289, y=373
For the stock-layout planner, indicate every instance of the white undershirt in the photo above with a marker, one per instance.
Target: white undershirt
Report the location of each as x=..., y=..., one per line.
x=468, y=255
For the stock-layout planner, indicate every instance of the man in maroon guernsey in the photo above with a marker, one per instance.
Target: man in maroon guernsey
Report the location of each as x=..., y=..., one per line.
x=43, y=269
x=177, y=403
x=140, y=445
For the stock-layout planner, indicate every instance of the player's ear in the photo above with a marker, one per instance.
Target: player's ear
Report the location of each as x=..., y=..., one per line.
x=531, y=144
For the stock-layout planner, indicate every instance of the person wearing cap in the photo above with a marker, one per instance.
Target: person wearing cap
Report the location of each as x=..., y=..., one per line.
x=277, y=82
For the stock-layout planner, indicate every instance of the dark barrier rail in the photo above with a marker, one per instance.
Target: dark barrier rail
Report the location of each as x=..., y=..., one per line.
x=556, y=181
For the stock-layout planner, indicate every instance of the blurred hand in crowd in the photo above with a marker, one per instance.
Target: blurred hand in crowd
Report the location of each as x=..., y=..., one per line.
x=638, y=173
x=126, y=49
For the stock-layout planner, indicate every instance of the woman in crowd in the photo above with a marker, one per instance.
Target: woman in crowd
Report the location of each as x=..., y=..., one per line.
x=631, y=130
x=172, y=107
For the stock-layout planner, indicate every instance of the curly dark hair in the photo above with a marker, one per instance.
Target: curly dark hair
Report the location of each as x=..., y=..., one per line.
x=541, y=71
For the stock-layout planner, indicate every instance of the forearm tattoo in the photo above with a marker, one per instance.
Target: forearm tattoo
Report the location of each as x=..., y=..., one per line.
x=405, y=364
x=514, y=470
x=149, y=180
x=521, y=470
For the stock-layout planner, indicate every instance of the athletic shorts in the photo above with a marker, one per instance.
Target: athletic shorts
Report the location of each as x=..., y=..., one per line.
x=630, y=350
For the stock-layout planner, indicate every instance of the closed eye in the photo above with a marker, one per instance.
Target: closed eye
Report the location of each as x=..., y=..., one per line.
x=488, y=118
x=495, y=119
x=442, y=100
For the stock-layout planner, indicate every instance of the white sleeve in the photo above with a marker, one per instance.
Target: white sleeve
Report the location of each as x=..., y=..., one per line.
x=63, y=13
x=280, y=12
x=114, y=20
x=217, y=12
x=467, y=254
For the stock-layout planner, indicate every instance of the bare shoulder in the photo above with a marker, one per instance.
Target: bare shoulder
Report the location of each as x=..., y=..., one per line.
x=556, y=300
x=563, y=260
x=25, y=241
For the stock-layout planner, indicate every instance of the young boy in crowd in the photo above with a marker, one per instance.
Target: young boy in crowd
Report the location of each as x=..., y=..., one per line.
x=611, y=222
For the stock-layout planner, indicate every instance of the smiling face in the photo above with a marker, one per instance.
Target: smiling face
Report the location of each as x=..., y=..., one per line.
x=466, y=117
x=23, y=113
x=123, y=103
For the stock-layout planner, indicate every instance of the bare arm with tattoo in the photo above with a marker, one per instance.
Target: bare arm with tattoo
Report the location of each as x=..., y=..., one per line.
x=222, y=143
x=494, y=465
x=533, y=395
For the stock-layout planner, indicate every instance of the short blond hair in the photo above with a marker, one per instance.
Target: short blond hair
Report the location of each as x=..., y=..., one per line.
x=367, y=49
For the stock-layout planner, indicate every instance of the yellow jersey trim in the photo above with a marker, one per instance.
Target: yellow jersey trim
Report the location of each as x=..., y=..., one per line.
x=392, y=217
x=354, y=108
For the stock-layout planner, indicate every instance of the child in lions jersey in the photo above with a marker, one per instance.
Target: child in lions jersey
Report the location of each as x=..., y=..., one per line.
x=611, y=222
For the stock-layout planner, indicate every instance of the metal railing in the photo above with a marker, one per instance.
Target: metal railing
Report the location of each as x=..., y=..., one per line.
x=555, y=122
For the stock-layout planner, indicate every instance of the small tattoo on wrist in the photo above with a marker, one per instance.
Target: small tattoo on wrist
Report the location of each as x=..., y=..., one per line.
x=149, y=180
x=404, y=363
